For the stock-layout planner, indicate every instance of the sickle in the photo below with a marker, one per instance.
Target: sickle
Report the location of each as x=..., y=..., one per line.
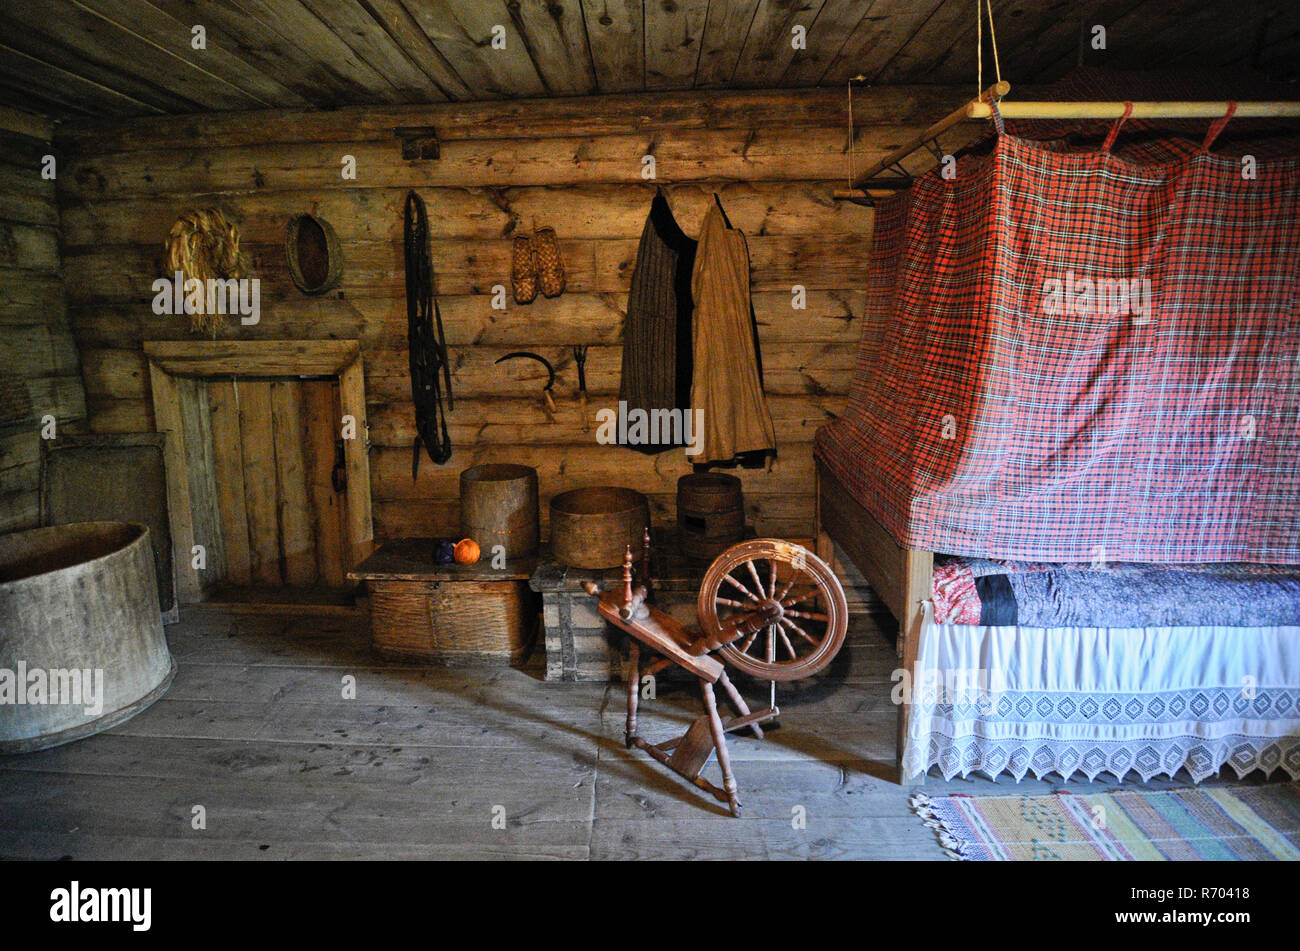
x=550, y=380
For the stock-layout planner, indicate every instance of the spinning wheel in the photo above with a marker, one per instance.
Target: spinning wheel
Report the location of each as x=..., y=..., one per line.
x=770, y=608
x=795, y=593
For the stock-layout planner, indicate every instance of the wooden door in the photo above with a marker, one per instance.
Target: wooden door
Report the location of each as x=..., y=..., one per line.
x=275, y=454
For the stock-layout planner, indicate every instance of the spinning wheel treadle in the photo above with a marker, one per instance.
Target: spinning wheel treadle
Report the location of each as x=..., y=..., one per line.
x=768, y=607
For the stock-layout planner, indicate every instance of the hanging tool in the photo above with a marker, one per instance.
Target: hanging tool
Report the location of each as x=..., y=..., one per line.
x=550, y=379
x=580, y=361
x=430, y=369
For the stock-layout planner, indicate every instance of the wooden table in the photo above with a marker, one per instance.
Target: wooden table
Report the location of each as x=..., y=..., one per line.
x=448, y=614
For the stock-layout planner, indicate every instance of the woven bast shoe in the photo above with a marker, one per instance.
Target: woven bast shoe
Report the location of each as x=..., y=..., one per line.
x=550, y=268
x=523, y=270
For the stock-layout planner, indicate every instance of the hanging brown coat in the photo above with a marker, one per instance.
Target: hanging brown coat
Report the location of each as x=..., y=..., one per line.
x=727, y=384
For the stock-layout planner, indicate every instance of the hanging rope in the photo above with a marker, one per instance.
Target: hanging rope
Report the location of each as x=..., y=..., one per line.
x=430, y=372
x=993, y=41
x=980, y=10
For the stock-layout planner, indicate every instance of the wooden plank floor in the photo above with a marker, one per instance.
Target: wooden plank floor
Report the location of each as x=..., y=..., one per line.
x=256, y=731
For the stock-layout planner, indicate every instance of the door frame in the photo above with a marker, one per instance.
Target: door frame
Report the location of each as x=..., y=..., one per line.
x=172, y=361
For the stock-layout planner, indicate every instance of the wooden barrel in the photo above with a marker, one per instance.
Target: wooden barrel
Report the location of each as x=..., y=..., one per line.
x=78, y=613
x=498, y=506
x=592, y=528
x=710, y=514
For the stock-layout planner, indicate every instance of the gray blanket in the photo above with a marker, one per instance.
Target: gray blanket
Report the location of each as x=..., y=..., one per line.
x=1137, y=595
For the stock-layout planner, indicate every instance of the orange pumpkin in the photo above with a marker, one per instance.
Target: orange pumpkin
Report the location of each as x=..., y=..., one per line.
x=467, y=551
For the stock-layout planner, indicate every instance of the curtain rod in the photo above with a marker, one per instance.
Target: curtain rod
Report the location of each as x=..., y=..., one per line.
x=1141, y=110
x=979, y=108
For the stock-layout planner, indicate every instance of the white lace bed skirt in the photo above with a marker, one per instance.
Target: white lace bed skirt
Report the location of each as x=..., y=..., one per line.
x=1104, y=700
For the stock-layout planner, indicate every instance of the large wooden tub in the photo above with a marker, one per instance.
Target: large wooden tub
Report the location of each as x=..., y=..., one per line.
x=81, y=638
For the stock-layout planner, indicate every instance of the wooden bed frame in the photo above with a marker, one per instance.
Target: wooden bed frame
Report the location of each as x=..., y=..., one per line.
x=901, y=577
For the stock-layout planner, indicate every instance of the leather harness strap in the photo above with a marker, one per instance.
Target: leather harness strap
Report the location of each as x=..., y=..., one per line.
x=430, y=369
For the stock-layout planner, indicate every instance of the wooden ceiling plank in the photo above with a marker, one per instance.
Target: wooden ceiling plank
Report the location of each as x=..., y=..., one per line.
x=357, y=27
x=768, y=49
x=86, y=45
x=296, y=23
x=616, y=37
x=1281, y=29
x=48, y=83
x=1157, y=33
x=931, y=39
x=674, y=32
x=1237, y=45
x=264, y=50
x=39, y=46
x=30, y=97
x=1016, y=23
x=885, y=30
x=826, y=39
x=1278, y=57
x=463, y=29
x=1054, y=50
x=556, y=37
x=324, y=76
x=1184, y=34
x=406, y=33
x=172, y=35
x=725, y=31
x=23, y=122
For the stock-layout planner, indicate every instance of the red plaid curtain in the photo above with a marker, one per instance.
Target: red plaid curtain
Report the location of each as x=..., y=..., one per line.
x=1073, y=356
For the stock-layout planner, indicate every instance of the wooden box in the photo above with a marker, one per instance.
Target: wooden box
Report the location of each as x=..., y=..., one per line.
x=448, y=614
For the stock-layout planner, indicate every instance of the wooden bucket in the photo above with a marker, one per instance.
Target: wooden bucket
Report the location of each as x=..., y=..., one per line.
x=78, y=607
x=498, y=506
x=710, y=514
x=592, y=528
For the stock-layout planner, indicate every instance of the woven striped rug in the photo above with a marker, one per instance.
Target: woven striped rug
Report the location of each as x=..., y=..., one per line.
x=1213, y=823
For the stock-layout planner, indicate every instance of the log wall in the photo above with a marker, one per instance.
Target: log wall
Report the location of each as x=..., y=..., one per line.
x=39, y=376
x=573, y=164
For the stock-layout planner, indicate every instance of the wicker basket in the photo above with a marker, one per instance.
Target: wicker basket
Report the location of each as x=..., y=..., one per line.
x=454, y=622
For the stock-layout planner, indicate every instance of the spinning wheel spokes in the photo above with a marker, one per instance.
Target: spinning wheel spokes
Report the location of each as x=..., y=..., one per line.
x=741, y=588
x=777, y=640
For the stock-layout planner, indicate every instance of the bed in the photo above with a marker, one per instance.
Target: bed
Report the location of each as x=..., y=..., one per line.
x=999, y=412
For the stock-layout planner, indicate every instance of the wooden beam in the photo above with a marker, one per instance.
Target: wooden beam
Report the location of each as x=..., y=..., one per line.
x=252, y=357
x=356, y=459
x=167, y=413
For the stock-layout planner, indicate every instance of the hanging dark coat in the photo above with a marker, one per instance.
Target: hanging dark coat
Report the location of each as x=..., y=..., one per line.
x=657, y=344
